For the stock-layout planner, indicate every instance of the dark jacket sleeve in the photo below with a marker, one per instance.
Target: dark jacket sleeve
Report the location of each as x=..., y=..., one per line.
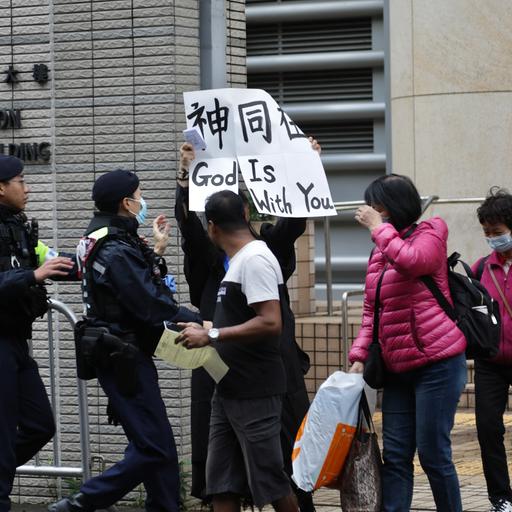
x=199, y=252
x=285, y=231
x=280, y=238
x=150, y=303
x=15, y=283
x=191, y=227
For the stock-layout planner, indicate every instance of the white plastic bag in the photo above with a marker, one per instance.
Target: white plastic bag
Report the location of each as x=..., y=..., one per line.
x=326, y=433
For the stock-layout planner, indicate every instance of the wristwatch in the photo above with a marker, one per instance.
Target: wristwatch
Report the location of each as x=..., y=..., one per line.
x=213, y=335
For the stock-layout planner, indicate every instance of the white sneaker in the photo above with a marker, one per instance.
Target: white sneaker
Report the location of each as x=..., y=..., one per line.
x=501, y=505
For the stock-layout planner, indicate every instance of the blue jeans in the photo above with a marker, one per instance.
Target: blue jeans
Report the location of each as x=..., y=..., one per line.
x=418, y=410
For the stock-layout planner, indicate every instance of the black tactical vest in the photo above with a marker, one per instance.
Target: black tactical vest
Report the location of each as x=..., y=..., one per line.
x=18, y=242
x=100, y=303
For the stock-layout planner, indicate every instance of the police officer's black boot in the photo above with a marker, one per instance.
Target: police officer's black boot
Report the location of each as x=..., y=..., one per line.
x=76, y=503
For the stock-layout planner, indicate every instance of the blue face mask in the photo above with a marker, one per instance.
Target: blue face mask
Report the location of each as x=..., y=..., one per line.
x=502, y=243
x=143, y=212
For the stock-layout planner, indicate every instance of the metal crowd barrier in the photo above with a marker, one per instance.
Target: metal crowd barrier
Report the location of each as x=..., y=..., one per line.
x=345, y=325
x=57, y=469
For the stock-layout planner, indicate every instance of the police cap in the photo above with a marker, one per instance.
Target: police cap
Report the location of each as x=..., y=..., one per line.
x=114, y=186
x=10, y=166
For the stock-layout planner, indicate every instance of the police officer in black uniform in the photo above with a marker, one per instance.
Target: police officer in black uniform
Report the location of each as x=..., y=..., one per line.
x=26, y=419
x=123, y=290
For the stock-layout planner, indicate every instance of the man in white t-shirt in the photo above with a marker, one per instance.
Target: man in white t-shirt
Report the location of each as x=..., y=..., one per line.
x=244, y=449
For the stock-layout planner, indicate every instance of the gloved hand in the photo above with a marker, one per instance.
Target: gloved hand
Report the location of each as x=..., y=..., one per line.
x=170, y=282
x=111, y=415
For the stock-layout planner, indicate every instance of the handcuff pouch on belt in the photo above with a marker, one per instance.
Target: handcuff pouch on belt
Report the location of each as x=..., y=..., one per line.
x=96, y=347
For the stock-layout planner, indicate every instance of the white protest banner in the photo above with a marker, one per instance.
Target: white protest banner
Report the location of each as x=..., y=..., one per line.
x=208, y=175
x=246, y=129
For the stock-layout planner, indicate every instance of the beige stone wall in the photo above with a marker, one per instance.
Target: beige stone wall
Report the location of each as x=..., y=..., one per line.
x=451, y=104
x=114, y=99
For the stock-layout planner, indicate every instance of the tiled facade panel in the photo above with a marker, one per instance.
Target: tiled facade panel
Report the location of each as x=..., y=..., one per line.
x=117, y=71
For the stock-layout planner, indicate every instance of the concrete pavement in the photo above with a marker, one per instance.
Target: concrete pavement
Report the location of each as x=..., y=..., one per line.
x=466, y=454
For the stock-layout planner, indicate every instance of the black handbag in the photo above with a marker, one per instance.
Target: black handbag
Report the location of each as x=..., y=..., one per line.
x=374, y=372
x=361, y=488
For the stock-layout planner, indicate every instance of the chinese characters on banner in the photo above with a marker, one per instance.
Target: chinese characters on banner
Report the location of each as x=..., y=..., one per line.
x=246, y=130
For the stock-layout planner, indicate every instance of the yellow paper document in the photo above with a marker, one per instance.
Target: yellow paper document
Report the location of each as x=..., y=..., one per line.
x=177, y=355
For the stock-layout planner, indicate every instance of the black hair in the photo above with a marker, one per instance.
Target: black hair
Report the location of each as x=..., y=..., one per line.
x=398, y=195
x=497, y=208
x=226, y=210
x=109, y=206
x=247, y=204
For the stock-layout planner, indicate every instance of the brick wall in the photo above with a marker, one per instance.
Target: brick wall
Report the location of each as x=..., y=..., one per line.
x=117, y=72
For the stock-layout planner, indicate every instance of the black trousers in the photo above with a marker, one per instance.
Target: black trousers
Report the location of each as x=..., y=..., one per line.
x=150, y=457
x=492, y=382
x=295, y=407
x=26, y=419
x=203, y=387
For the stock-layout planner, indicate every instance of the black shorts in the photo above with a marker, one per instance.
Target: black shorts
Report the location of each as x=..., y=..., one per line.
x=244, y=450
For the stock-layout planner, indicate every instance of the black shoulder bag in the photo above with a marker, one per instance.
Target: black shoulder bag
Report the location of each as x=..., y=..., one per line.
x=374, y=372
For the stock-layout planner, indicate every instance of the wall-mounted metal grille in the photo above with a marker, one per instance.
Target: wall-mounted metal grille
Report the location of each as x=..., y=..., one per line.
x=323, y=61
x=326, y=85
x=326, y=36
x=350, y=137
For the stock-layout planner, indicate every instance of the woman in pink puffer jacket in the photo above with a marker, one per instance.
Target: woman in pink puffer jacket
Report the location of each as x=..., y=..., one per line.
x=422, y=348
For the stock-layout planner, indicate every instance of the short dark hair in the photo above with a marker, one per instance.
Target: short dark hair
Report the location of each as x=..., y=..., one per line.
x=226, y=210
x=497, y=208
x=109, y=206
x=398, y=195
